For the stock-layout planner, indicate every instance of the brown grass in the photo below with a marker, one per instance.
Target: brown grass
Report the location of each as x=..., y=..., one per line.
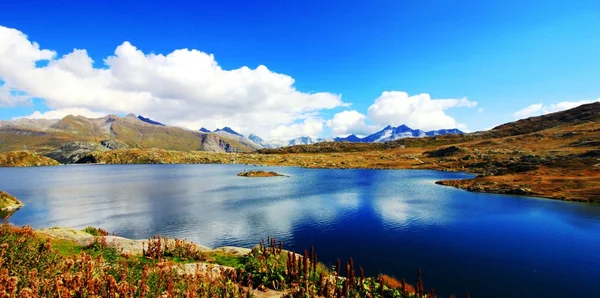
x=7, y=201
x=25, y=159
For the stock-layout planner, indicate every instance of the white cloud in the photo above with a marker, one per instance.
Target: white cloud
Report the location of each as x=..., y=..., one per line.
x=565, y=105
x=185, y=87
x=417, y=111
x=528, y=111
x=350, y=122
x=10, y=97
x=480, y=110
x=309, y=127
x=541, y=109
x=463, y=127
x=60, y=113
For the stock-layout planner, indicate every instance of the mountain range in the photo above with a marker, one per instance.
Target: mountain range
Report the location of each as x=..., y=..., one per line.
x=150, y=121
x=277, y=143
x=45, y=135
x=390, y=133
x=78, y=133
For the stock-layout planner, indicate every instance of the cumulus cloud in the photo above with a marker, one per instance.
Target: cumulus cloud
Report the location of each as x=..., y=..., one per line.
x=186, y=87
x=541, y=109
x=350, y=122
x=396, y=108
x=60, y=113
x=417, y=111
x=309, y=127
x=10, y=97
x=528, y=111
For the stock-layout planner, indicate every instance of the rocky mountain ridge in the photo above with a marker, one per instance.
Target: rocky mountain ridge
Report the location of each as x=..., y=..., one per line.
x=78, y=133
x=390, y=133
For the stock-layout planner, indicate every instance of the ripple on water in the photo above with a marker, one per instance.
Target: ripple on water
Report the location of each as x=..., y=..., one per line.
x=392, y=221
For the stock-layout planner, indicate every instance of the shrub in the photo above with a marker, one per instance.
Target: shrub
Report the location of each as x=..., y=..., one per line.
x=159, y=248
x=96, y=231
x=31, y=268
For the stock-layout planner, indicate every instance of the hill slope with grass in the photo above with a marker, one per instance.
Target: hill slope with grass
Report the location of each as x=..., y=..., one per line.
x=25, y=159
x=553, y=156
x=44, y=136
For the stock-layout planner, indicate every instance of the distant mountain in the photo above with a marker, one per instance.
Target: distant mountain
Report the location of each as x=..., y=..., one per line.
x=453, y=131
x=379, y=136
x=277, y=143
x=256, y=139
x=390, y=133
x=202, y=129
x=301, y=141
x=320, y=140
x=46, y=136
x=148, y=120
x=228, y=129
x=274, y=143
x=232, y=134
x=351, y=138
x=28, y=124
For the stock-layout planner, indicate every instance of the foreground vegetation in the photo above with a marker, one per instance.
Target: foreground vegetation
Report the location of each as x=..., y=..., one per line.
x=32, y=266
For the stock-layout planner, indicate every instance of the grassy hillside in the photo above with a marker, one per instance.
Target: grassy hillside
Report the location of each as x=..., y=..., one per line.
x=554, y=156
x=25, y=159
x=43, y=136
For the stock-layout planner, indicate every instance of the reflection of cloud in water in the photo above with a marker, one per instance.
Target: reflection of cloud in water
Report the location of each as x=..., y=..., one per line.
x=393, y=210
x=399, y=211
x=328, y=208
x=82, y=206
x=278, y=218
x=348, y=200
x=204, y=204
x=198, y=205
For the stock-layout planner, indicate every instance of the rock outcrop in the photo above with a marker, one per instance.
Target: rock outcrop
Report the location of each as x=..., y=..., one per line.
x=258, y=174
x=73, y=152
x=8, y=202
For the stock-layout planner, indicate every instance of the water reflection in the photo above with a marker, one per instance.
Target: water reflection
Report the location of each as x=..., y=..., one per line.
x=393, y=221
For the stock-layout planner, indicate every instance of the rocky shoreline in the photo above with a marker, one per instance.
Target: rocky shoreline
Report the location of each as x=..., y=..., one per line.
x=131, y=248
x=125, y=245
x=8, y=203
x=553, y=156
x=566, y=177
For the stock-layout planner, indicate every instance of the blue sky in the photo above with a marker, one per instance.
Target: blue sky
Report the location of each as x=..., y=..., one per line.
x=504, y=55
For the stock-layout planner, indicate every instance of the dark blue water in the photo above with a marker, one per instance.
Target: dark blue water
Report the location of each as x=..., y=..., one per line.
x=389, y=221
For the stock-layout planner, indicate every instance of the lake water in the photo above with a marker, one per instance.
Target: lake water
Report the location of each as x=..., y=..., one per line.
x=388, y=221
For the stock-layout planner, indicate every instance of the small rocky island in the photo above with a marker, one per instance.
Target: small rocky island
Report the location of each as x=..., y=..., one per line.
x=8, y=202
x=259, y=174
